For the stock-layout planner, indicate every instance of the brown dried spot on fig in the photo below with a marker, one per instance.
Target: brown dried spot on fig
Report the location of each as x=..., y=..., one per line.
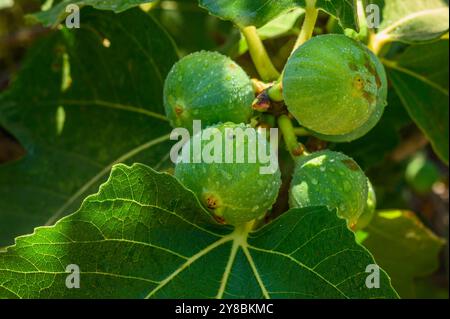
x=351, y=164
x=220, y=219
x=178, y=110
x=369, y=97
x=262, y=102
x=378, y=81
x=358, y=83
x=211, y=202
x=353, y=66
x=369, y=66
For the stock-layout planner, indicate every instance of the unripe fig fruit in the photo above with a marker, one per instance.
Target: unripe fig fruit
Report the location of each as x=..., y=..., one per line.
x=232, y=187
x=330, y=179
x=335, y=87
x=210, y=87
x=369, y=210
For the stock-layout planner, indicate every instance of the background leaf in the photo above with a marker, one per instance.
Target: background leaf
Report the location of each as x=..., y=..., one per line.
x=74, y=128
x=57, y=13
x=413, y=249
x=259, y=12
x=420, y=78
x=284, y=25
x=412, y=21
x=129, y=241
x=281, y=25
x=6, y=4
x=191, y=27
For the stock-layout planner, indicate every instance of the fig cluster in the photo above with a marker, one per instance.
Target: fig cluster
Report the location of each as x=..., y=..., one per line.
x=332, y=86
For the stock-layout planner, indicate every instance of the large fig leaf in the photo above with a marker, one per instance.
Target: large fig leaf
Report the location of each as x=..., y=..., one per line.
x=413, y=249
x=192, y=28
x=58, y=12
x=281, y=25
x=420, y=78
x=146, y=236
x=85, y=100
x=259, y=12
x=412, y=21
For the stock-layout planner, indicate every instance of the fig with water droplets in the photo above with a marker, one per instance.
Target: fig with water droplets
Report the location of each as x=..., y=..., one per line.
x=335, y=87
x=210, y=87
x=330, y=179
x=231, y=187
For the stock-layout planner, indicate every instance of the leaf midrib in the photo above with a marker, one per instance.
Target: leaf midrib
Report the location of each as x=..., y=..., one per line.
x=189, y=262
x=112, y=105
x=394, y=65
x=239, y=238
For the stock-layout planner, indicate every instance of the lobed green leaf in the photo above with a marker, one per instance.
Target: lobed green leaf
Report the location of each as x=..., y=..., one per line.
x=420, y=78
x=259, y=12
x=413, y=249
x=85, y=100
x=57, y=13
x=146, y=236
x=412, y=21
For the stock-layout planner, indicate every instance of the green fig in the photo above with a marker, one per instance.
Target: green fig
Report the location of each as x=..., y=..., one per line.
x=330, y=179
x=335, y=87
x=234, y=191
x=210, y=87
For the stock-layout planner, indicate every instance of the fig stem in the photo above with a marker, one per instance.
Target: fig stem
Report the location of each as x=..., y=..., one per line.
x=311, y=14
x=300, y=131
x=377, y=42
x=363, y=34
x=245, y=228
x=295, y=148
x=259, y=55
x=275, y=92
